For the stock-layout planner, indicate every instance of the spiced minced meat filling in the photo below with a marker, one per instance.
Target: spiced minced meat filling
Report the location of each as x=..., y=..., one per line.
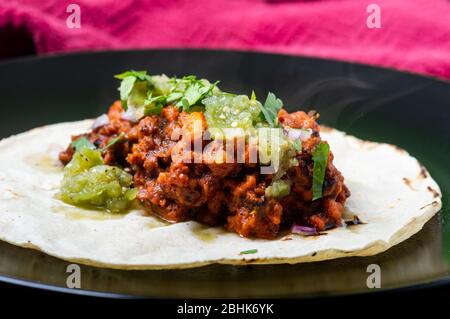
x=217, y=194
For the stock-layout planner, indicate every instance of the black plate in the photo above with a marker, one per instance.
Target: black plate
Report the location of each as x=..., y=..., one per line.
x=372, y=103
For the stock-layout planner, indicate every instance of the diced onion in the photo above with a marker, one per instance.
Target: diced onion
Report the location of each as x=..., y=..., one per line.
x=295, y=134
x=130, y=115
x=100, y=121
x=133, y=114
x=306, y=134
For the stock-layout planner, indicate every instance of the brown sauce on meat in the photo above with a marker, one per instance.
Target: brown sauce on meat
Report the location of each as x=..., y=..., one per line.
x=230, y=195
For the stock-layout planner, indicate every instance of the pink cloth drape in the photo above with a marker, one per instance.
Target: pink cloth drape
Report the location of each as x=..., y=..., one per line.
x=414, y=34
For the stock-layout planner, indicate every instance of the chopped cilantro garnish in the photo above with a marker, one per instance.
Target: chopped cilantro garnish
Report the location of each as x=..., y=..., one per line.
x=129, y=80
x=154, y=104
x=248, y=252
x=82, y=142
x=174, y=96
x=270, y=109
x=196, y=91
x=193, y=93
x=152, y=93
x=126, y=86
x=320, y=159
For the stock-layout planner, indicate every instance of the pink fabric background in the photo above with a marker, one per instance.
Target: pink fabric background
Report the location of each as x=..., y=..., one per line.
x=415, y=34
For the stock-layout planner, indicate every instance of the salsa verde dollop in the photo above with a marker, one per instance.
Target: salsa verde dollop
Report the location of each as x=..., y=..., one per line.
x=87, y=182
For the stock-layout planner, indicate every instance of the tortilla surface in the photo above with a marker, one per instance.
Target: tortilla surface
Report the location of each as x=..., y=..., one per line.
x=391, y=193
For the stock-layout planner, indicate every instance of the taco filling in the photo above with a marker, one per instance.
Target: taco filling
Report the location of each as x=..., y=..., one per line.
x=186, y=150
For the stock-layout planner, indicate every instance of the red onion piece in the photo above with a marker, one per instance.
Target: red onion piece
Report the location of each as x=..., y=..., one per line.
x=304, y=230
x=100, y=121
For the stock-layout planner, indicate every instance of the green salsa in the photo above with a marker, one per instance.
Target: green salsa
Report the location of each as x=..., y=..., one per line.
x=226, y=110
x=88, y=182
x=231, y=111
x=278, y=189
x=281, y=149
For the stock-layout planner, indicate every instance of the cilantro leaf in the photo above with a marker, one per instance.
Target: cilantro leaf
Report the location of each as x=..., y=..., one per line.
x=193, y=94
x=82, y=142
x=248, y=252
x=298, y=145
x=140, y=75
x=270, y=109
x=174, y=96
x=185, y=104
x=126, y=86
x=196, y=91
x=154, y=104
x=129, y=80
x=320, y=159
x=137, y=89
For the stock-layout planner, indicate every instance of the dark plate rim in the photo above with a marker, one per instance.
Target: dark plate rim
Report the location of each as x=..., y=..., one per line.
x=61, y=54
x=436, y=282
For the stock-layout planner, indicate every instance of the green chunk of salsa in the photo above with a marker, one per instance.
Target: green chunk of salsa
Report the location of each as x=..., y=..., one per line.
x=224, y=111
x=278, y=189
x=87, y=182
x=231, y=111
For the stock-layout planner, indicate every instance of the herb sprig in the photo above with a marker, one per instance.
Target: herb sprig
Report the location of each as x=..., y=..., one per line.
x=129, y=80
x=82, y=142
x=248, y=252
x=115, y=140
x=195, y=92
x=320, y=159
x=270, y=109
x=138, y=88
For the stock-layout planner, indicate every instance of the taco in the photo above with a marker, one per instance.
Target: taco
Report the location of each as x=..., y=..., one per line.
x=179, y=173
